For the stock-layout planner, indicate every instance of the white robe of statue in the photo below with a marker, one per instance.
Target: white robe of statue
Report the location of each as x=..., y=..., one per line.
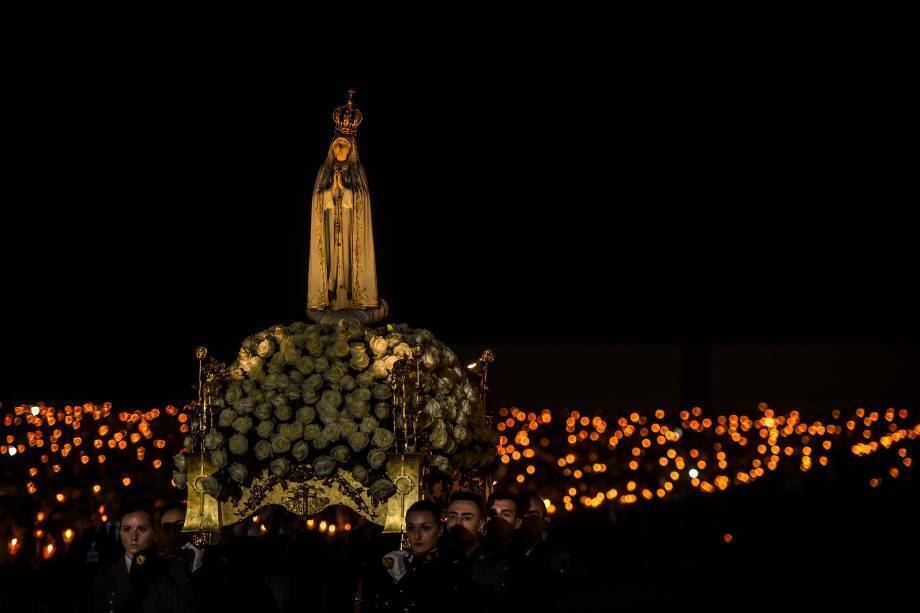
x=338, y=212
x=342, y=268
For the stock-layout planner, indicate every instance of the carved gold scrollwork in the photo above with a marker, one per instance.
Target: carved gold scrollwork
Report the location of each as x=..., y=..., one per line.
x=303, y=493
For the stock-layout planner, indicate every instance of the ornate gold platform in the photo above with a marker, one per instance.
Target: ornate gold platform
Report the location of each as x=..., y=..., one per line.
x=303, y=493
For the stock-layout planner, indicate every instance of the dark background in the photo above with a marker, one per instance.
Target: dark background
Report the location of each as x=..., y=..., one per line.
x=711, y=222
x=630, y=225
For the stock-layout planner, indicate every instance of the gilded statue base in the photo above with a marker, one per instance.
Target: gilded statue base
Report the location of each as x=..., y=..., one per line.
x=303, y=493
x=361, y=316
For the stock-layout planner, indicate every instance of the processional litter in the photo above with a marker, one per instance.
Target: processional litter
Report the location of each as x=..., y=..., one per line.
x=346, y=410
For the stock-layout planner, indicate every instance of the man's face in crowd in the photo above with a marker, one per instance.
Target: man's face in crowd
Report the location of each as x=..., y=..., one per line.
x=172, y=520
x=536, y=511
x=171, y=535
x=423, y=530
x=534, y=520
x=464, y=513
x=136, y=532
x=507, y=510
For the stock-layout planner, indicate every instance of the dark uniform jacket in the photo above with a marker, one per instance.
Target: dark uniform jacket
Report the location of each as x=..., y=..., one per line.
x=441, y=581
x=422, y=589
x=539, y=577
x=479, y=581
x=230, y=578
x=154, y=585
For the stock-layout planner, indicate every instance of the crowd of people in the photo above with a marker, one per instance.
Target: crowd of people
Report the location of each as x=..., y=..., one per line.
x=471, y=555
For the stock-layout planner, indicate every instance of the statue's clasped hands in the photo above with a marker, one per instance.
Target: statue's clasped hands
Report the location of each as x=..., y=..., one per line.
x=337, y=184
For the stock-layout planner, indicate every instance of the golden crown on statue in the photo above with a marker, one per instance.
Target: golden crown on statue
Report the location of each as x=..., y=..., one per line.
x=347, y=117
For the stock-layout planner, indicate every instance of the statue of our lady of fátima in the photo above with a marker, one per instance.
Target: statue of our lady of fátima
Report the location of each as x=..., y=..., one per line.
x=342, y=277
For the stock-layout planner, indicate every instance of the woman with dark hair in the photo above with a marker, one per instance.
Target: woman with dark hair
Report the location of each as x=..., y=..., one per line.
x=416, y=580
x=140, y=581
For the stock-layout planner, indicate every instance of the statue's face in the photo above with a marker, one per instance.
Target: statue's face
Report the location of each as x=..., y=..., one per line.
x=340, y=149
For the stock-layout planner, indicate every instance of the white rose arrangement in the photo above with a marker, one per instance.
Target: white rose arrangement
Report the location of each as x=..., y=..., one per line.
x=320, y=395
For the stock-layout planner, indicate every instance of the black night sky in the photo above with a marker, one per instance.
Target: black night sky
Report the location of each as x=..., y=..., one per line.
x=723, y=228
x=713, y=224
